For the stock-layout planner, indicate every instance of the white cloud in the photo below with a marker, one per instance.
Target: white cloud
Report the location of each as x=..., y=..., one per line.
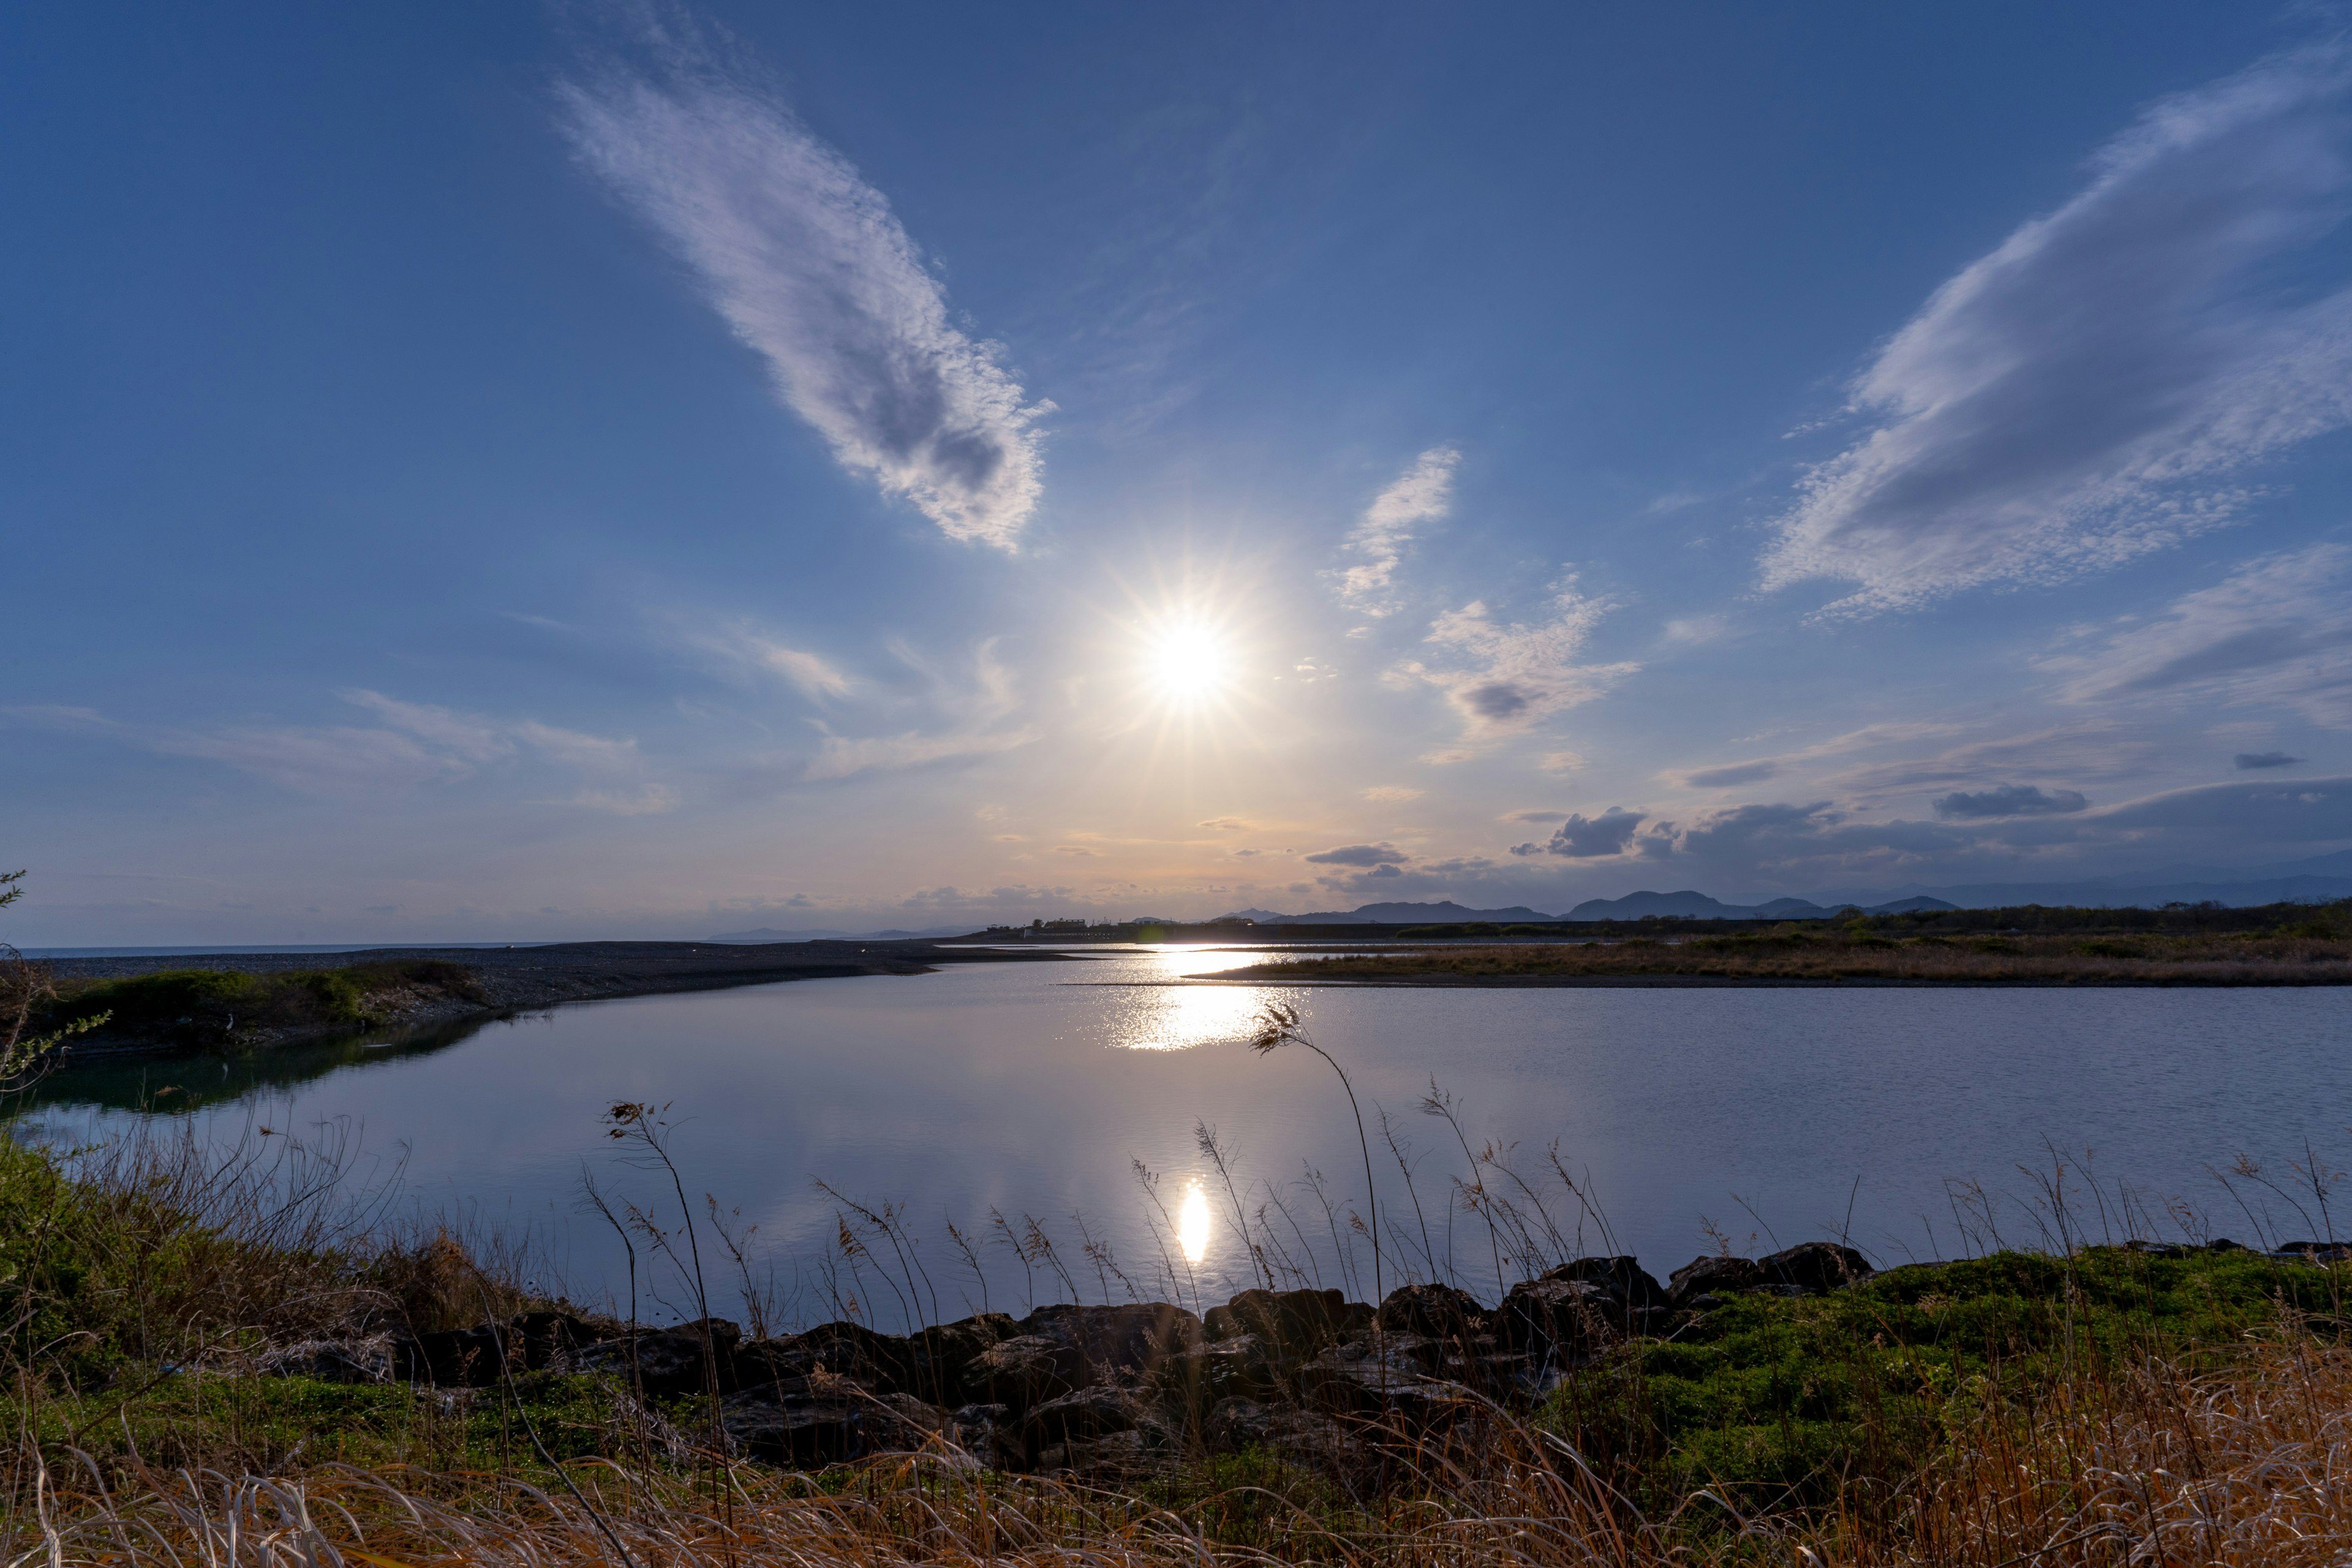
x=806, y=262
x=1422, y=493
x=2074, y=398
x=746, y=648
x=1562, y=762
x=1508, y=678
x=1395, y=793
x=2277, y=631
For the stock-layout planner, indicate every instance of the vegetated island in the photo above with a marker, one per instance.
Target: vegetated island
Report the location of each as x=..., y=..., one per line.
x=2278, y=945
x=252, y=1000
x=210, y=1353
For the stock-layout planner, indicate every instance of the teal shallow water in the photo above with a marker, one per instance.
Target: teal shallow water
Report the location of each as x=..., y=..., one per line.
x=1033, y=1089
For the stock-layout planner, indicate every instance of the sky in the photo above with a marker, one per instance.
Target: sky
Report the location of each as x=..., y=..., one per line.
x=529, y=472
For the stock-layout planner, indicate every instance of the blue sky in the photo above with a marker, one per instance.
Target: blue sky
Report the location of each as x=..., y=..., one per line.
x=483, y=472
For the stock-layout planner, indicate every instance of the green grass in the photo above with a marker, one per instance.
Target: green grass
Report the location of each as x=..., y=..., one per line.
x=1774, y=1399
x=191, y=1007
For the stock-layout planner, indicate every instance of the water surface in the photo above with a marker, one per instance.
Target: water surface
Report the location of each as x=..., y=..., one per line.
x=1032, y=1089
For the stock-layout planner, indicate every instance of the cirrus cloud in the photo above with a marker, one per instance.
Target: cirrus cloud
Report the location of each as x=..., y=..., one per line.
x=809, y=267
x=2074, y=398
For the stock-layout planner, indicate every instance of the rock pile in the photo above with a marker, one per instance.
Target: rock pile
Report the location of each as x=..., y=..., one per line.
x=1111, y=1390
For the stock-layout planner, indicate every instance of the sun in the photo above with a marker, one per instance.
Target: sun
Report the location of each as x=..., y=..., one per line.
x=1187, y=662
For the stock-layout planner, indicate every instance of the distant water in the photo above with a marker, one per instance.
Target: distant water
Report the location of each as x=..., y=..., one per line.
x=1033, y=1089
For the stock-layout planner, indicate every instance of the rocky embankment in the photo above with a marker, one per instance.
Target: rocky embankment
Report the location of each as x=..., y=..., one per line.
x=1107, y=1390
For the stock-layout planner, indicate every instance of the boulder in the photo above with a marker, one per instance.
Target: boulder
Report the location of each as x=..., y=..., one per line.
x=1562, y=1321
x=1440, y=1311
x=335, y=1360
x=1291, y=1324
x=453, y=1358
x=668, y=1361
x=877, y=1362
x=1086, y=1412
x=1243, y=1366
x=1130, y=1339
x=1389, y=1376
x=826, y=1423
x=1814, y=1266
x=1025, y=1369
x=1622, y=1277
x=1711, y=1276
x=552, y=1338
x=1301, y=1436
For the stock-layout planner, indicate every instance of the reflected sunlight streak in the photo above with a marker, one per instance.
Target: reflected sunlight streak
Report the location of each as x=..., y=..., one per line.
x=1193, y=1224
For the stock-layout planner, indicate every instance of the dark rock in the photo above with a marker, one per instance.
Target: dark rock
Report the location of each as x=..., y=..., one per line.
x=1562, y=1320
x=1814, y=1266
x=1126, y=1455
x=1130, y=1339
x=826, y=1423
x=1712, y=1276
x=2156, y=1248
x=1291, y=1324
x=1438, y=1311
x=2223, y=1244
x=990, y=1435
x=453, y=1358
x=1622, y=1277
x=668, y=1361
x=1025, y=1369
x=1243, y=1366
x=1389, y=1376
x=937, y=1358
x=552, y=1338
x=2313, y=1251
x=877, y=1362
x=1086, y=1412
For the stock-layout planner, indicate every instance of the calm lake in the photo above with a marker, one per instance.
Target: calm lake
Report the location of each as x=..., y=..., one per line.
x=1032, y=1090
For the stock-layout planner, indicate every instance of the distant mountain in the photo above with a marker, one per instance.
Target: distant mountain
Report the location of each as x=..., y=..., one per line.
x=2319, y=880
x=1686, y=905
x=1444, y=912
x=1263, y=917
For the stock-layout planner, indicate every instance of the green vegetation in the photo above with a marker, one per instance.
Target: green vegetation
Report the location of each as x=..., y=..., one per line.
x=199, y=1007
x=1775, y=1402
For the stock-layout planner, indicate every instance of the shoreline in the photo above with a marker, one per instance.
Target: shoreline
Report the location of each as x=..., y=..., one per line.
x=500, y=983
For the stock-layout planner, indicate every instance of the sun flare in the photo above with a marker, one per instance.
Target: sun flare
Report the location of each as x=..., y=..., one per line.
x=1187, y=662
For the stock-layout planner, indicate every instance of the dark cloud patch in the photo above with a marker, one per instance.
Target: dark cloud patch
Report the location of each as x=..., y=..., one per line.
x=1582, y=837
x=1360, y=855
x=2010, y=800
x=2249, y=762
x=1496, y=700
x=1733, y=773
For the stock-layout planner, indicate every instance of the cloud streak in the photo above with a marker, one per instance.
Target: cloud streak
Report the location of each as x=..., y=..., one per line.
x=2078, y=397
x=2277, y=631
x=807, y=264
x=1422, y=493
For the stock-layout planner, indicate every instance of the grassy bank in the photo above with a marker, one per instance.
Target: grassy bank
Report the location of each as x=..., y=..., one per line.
x=2115, y=1405
x=2311, y=953
x=211, y=1008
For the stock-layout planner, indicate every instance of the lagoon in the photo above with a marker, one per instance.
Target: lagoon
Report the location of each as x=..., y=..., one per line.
x=1033, y=1090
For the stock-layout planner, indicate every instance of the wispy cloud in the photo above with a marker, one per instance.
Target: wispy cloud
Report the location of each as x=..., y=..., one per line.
x=745, y=647
x=1422, y=493
x=980, y=730
x=2276, y=631
x=1396, y=793
x=414, y=743
x=2074, y=398
x=808, y=265
x=1505, y=679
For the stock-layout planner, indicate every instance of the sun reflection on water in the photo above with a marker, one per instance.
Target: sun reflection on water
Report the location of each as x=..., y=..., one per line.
x=1163, y=1014
x=1193, y=1224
